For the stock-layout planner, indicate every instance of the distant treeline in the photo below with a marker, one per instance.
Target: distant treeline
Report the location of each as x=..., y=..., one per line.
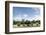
x=27, y=22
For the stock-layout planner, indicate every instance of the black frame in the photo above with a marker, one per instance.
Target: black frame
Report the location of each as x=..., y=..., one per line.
x=7, y=16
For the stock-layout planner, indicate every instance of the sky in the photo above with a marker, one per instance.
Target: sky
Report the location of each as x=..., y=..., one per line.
x=26, y=13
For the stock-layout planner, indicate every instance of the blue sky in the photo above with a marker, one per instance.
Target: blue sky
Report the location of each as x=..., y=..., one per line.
x=27, y=13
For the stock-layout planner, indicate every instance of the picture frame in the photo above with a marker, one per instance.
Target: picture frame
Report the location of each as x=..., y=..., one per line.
x=12, y=7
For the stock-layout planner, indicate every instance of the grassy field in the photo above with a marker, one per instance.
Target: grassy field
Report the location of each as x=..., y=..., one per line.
x=27, y=23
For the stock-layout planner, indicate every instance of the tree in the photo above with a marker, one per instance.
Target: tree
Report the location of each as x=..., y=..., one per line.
x=33, y=21
x=22, y=22
x=13, y=22
x=27, y=22
x=38, y=21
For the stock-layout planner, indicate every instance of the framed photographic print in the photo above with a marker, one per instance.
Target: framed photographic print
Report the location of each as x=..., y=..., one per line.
x=24, y=17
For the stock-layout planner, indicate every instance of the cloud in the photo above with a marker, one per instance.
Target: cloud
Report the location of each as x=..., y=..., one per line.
x=20, y=17
x=17, y=18
x=36, y=10
x=26, y=17
x=36, y=17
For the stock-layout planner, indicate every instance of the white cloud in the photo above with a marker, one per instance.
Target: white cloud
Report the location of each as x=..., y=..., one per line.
x=17, y=18
x=26, y=17
x=36, y=10
x=37, y=17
